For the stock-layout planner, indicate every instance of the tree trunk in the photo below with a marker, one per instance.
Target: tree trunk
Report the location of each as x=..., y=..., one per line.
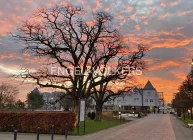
x=75, y=110
x=184, y=114
x=99, y=109
x=191, y=117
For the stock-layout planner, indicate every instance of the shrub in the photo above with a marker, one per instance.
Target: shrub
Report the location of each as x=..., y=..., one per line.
x=92, y=116
x=139, y=115
x=27, y=122
x=89, y=114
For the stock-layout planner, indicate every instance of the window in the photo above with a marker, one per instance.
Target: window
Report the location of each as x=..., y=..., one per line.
x=118, y=101
x=136, y=99
x=146, y=100
x=151, y=100
x=108, y=102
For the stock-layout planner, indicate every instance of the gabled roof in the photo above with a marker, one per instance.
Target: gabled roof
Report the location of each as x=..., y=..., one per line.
x=36, y=91
x=148, y=86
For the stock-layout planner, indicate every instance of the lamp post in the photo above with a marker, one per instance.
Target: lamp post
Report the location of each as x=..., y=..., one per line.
x=52, y=105
x=119, y=115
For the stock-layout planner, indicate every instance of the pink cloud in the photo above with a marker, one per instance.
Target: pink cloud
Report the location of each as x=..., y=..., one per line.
x=164, y=16
x=163, y=3
x=6, y=26
x=182, y=13
x=179, y=28
x=137, y=27
x=130, y=8
x=174, y=3
x=145, y=22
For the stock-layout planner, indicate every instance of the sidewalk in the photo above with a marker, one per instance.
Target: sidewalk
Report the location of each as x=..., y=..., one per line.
x=180, y=130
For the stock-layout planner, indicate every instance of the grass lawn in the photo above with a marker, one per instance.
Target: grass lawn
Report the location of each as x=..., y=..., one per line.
x=92, y=126
x=186, y=121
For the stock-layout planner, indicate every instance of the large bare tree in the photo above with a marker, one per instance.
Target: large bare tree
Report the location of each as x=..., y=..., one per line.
x=63, y=38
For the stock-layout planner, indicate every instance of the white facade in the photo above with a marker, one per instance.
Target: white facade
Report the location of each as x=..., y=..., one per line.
x=146, y=97
x=150, y=98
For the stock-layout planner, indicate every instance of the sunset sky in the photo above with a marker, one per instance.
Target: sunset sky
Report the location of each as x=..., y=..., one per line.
x=165, y=26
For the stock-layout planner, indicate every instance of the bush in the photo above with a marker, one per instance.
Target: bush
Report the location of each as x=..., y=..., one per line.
x=92, y=116
x=139, y=115
x=27, y=122
x=89, y=114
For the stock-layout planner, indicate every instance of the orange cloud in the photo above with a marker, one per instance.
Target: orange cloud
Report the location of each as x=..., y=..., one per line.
x=119, y=16
x=130, y=8
x=107, y=9
x=155, y=40
x=145, y=22
x=179, y=75
x=168, y=87
x=133, y=16
x=137, y=27
x=142, y=17
x=98, y=4
x=166, y=64
x=90, y=23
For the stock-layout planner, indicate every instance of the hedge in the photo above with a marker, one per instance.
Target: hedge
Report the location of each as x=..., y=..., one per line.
x=28, y=121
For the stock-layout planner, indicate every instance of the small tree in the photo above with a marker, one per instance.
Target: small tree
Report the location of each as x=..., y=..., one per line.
x=35, y=100
x=19, y=104
x=8, y=94
x=187, y=89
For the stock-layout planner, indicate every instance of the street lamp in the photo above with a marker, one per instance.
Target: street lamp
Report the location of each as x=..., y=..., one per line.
x=192, y=62
x=120, y=115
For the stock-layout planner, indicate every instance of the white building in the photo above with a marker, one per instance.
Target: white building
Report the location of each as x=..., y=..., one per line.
x=146, y=98
x=49, y=101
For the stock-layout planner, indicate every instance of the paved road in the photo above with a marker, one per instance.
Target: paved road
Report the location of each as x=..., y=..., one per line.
x=153, y=127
